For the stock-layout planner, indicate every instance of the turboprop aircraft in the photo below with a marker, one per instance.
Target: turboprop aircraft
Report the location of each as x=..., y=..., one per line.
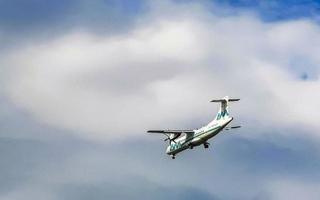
x=180, y=140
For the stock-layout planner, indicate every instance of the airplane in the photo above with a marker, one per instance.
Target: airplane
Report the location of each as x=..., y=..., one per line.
x=180, y=140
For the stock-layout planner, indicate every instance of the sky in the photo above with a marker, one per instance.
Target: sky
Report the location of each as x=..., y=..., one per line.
x=82, y=81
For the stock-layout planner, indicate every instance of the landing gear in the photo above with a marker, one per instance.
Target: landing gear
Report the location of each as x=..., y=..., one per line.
x=206, y=145
x=173, y=156
x=190, y=147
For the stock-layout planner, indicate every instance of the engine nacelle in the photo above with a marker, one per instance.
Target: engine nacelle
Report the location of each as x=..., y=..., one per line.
x=174, y=136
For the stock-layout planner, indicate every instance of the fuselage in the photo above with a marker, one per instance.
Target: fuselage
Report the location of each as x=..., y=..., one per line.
x=200, y=136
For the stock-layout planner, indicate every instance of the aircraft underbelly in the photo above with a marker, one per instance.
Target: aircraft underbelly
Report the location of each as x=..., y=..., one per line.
x=205, y=137
x=198, y=140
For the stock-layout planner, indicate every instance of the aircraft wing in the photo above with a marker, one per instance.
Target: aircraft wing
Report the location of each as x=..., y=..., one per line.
x=176, y=132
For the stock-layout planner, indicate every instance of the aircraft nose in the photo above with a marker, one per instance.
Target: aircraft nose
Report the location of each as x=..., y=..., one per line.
x=168, y=150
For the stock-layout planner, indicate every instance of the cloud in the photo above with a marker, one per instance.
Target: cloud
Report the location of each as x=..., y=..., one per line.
x=162, y=73
x=73, y=169
x=32, y=21
x=293, y=189
x=37, y=16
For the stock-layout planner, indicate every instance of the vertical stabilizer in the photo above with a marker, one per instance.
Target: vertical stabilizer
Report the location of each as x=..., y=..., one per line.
x=223, y=110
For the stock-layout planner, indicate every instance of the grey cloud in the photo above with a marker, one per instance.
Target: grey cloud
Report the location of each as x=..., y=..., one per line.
x=34, y=15
x=135, y=188
x=23, y=159
x=73, y=169
x=24, y=22
x=281, y=158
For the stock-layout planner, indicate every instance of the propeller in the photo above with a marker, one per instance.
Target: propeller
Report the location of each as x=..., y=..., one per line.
x=170, y=140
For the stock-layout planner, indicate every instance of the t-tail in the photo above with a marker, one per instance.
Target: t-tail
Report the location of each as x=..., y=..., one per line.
x=223, y=110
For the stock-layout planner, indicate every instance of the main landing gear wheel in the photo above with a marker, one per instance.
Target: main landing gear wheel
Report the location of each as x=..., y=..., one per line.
x=173, y=156
x=206, y=145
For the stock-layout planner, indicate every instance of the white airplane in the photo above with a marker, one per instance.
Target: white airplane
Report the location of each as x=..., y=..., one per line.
x=180, y=140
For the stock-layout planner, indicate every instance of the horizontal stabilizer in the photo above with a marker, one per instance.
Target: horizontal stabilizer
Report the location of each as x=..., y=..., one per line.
x=232, y=127
x=171, y=131
x=223, y=100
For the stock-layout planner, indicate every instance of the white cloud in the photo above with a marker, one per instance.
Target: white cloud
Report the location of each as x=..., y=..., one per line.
x=163, y=73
